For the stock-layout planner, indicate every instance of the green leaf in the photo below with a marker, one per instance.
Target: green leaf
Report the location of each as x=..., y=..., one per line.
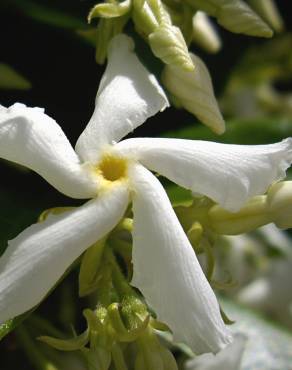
x=268, y=346
x=10, y=79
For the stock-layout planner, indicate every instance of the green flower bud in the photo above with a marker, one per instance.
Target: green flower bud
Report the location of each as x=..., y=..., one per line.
x=89, y=270
x=153, y=21
x=235, y=15
x=144, y=18
x=137, y=325
x=168, y=44
x=195, y=92
x=279, y=199
x=268, y=10
x=204, y=33
x=251, y=216
x=110, y=10
x=195, y=234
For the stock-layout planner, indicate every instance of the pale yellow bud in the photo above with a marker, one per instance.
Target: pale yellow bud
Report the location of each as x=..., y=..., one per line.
x=168, y=44
x=268, y=10
x=235, y=15
x=279, y=199
x=194, y=90
x=251, y=216
x=205, y=34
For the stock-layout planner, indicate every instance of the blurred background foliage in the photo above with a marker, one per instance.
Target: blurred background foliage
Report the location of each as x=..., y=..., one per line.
x=46, y=60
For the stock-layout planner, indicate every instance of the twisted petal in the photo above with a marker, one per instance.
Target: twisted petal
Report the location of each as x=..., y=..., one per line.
x=37, y=258
x=229, y=174
x=128, y=94
x=31, y=138
x=167, y=271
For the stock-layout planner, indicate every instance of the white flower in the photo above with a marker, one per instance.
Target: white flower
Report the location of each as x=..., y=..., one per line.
x=166, y=269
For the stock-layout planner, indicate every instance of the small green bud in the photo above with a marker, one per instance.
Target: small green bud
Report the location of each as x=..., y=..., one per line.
x=89, y=270
x=153, y=21
x=235, y=15
x=195, y=234
x=252, y=215
x=195, y=92
x=279, y=199
x=110, y=10
x=268, y=10
x=205, y=34
x=144, y=18
x=121, y=332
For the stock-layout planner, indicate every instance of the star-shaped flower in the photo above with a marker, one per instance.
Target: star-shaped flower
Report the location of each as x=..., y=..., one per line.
x=166, y=269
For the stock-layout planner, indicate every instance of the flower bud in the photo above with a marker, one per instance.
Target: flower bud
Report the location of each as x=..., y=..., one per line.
x=268, y=10
x=235, y=15
x=254, y=214
x=279, y=199
x=89, y=269
x=194, y=90
x=168, y=44
x=121, y=332
x=153, y=21
x=205, y=34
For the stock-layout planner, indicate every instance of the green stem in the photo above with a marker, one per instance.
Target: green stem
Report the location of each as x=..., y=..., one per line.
x=120, y=282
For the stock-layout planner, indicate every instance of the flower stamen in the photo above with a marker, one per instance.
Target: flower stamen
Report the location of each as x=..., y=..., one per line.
x=113, y=168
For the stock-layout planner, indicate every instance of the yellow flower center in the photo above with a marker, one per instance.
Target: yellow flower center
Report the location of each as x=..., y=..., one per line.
x=112, y=168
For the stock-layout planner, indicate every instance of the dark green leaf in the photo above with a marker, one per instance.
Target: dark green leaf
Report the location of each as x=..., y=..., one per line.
x=10, y=79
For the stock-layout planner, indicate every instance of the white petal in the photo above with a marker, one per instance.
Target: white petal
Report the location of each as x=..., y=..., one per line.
x=167, y=271
x=227, y=359
x=31, y=138
x=228, y=174
x=37, y=258
x=128, y=94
